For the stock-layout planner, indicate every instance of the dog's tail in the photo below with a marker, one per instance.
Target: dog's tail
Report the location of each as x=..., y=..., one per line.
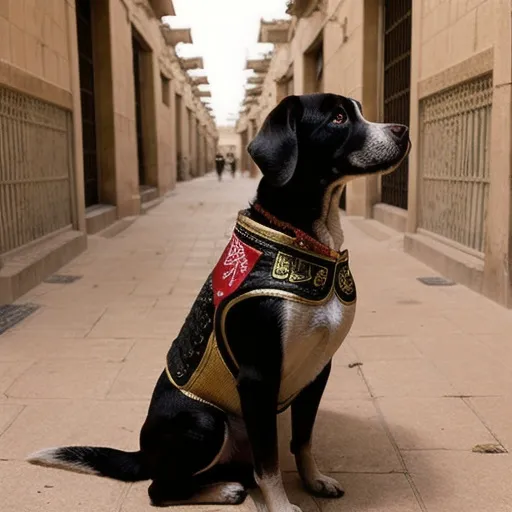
x=125, y=466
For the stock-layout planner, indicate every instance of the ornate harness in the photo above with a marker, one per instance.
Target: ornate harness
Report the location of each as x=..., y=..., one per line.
x=258, y=261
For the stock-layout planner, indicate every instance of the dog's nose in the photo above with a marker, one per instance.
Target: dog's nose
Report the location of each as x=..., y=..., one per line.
x=399, y=131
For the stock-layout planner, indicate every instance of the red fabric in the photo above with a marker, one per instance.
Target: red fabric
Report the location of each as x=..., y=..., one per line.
x=235, y=264
x=302, y=239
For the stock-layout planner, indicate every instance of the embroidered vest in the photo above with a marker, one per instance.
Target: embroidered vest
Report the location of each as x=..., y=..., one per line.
x=258, y=261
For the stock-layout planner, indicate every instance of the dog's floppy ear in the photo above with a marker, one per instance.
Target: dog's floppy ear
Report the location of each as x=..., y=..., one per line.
x=275, y=148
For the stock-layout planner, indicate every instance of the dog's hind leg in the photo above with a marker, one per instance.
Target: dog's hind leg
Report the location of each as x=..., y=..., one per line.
x=224, y=493
x=304, y=410
x=178, y=449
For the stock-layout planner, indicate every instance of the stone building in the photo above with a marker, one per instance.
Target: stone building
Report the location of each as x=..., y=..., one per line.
x=229, y=141
x=444, y=68
x=98, y=120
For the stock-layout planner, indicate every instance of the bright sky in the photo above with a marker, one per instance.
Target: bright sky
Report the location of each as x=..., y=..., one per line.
x=225, y=33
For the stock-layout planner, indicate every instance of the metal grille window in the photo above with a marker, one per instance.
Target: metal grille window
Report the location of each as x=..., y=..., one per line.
x=454, y=162
x=397, y=84
x=35, y=169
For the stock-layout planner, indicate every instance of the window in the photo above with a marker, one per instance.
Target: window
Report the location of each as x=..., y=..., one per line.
x=166, y=90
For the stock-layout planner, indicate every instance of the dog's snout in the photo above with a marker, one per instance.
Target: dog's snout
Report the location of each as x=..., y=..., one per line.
x=398, y=131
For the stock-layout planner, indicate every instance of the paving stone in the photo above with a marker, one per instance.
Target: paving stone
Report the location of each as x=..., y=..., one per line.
x=433, y=423
x=348, y=437
x=24, y=487
x=81, y=370
x=449, y=481
x=46, y=423
x=373, y=493
x=66, y=379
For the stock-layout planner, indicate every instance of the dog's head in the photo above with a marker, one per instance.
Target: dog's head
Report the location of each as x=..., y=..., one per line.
x=325, y=138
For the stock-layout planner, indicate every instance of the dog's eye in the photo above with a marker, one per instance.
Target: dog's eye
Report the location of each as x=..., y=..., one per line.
x=341, y=118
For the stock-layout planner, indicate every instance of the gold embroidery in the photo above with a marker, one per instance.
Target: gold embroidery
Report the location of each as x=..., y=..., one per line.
x=297, y=270
x=345, y=281
x=320, y=278
x=281, y=268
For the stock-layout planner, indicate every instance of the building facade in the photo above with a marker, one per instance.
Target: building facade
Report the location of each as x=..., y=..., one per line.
x=443, y=67
x=229, y=142
x=99, y=119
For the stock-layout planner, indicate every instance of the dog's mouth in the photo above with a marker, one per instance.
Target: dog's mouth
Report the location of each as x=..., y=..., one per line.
x=387, y=170
x=395, y=166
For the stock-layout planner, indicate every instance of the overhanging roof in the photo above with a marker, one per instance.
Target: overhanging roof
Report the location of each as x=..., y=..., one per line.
x=174, y=36
x=200, y=80
x=275, y=31
x=249, y=101
x=256, y=79
x=192, y=63
x=302, y=8
x=254, y=91
x=203, y=94
x=258, y=65
x=162, y=8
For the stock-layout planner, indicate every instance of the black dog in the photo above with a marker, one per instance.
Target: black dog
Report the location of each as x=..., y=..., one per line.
x=266, y=324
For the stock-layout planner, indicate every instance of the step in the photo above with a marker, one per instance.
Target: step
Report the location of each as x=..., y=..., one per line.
x=29, y=266
x=147, y=194
x=99, y=217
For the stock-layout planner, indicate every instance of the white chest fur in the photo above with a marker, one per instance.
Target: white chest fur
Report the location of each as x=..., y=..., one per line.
x=313, y=333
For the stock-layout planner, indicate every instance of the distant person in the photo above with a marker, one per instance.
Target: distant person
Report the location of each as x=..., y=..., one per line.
x=220, y=162
x=231, y=161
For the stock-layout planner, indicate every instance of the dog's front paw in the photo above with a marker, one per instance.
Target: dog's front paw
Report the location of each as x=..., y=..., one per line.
x=325, y=487
x=295, y=509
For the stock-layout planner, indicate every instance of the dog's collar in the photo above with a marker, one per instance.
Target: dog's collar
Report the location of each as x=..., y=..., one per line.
x=301, y=239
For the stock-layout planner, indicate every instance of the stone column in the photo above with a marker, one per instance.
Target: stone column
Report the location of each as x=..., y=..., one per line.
x=414, y=119
x=498, y=266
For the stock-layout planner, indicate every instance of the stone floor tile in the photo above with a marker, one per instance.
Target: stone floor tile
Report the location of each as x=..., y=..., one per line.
x=137, y=500
x=433, y=423
x=348, y=437
x=66, y=379
x=24, y=487
x=373, y=493
x=21, y=346
x=497, y=346
x=496, y=413
x=139, y=375
x=451, y=481
x=346, y=384
x=416, y=344
x=473, y=321
x=384, y=348
x=451, y=347
x=473, y=376
x=414, y=378
x=46, y=423
x=8, y=413
x=10, y=372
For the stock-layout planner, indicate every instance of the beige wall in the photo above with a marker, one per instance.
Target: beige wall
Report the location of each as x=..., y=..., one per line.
x=454, y=42
x=229, y=140
x=39, y=59
x=34, y=38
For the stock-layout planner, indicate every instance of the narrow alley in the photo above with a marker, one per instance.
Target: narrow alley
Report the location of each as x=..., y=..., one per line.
x=422, y=382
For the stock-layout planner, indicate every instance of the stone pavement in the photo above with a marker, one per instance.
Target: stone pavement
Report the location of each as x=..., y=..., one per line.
x=423, y=378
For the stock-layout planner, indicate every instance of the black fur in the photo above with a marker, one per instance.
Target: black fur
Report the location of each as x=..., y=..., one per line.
x=306, y=144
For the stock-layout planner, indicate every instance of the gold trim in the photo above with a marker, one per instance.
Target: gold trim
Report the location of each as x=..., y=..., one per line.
x=276, y=236
x=188, y=393
x=263, y=293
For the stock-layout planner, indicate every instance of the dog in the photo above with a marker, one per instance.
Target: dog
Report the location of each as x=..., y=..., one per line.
x=263, y=330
